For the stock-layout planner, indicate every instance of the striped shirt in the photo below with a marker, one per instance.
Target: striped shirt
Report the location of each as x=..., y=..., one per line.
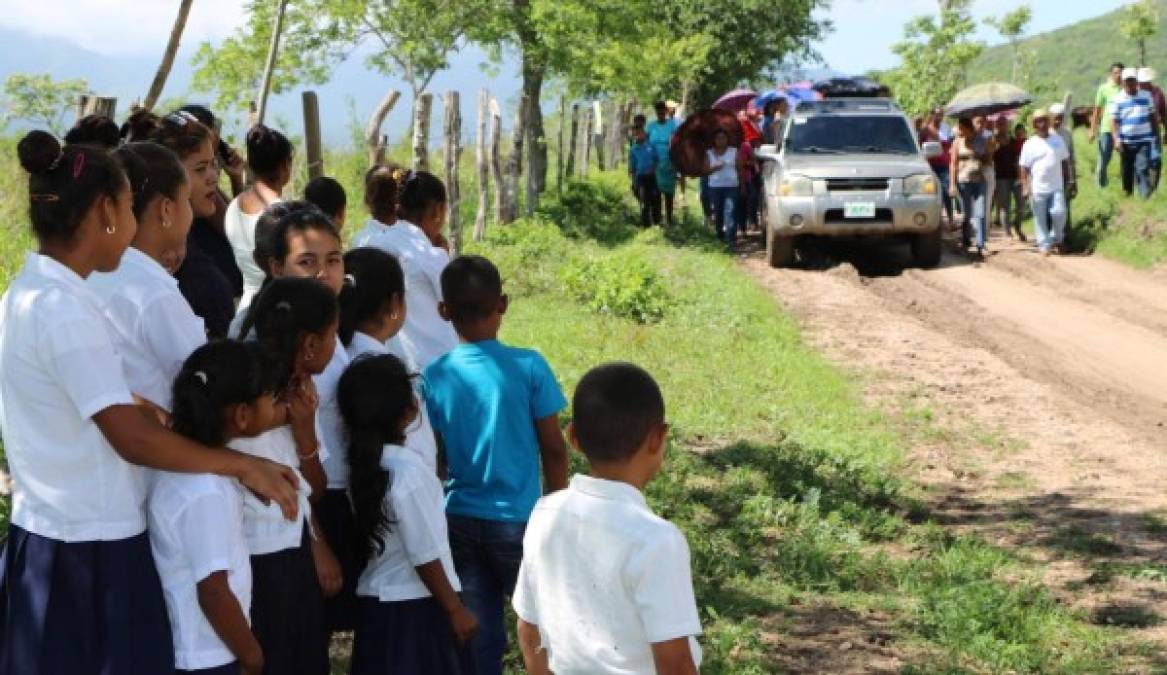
x=1133, y=113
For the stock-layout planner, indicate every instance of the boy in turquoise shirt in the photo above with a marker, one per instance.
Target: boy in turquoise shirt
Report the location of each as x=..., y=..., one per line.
x=496, y=411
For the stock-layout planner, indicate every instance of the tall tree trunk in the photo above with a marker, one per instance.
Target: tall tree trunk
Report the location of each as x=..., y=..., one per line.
x=421, y=132
x=514, y=167
x=496, y=157
x=374, y=141
x=573, y=141
x=273, y=50
x=559, y=151
x=159, y=82
x=534, y=64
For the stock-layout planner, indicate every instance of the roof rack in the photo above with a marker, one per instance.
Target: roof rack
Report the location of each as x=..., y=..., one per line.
x=829, y=105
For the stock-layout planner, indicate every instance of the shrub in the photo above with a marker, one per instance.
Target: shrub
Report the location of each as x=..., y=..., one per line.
x=527, y=254
x=621, y=284
x=594, y=209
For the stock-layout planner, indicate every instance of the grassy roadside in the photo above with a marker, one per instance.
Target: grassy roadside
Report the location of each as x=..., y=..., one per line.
x=785, y=484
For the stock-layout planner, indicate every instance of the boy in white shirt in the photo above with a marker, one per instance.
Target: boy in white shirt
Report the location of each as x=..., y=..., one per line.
x=605, y=585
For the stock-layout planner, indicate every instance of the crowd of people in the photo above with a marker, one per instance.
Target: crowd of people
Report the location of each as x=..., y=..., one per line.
x=230, y=438
x=993, y=171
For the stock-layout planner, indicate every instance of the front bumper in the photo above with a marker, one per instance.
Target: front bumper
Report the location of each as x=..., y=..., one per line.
x=823, y=213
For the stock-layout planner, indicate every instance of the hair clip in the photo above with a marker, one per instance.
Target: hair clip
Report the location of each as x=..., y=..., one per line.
x=200, y=376
x=350, y=280
x=57, y=162
x=78, y=165
x=284, y=305
x=181, y=117
x=45, y=197
x=398, y=173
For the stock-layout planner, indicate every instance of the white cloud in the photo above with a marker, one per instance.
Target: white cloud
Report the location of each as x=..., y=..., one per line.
x=121, y=26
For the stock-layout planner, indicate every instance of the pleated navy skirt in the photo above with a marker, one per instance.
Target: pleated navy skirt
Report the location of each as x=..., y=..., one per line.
x=86, y=608
x=287, y=612
x=334, y=512
x=408, y=637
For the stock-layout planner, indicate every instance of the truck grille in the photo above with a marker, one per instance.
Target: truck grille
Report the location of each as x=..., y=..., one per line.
x=856, y=184
x=835, y=217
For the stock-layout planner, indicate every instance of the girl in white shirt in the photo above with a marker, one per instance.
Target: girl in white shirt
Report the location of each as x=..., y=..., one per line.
x=269, y=157
x=196, y=520
x=417, y=242
x=79, y=592
x=372, y=311
x=152, y=325
x=410, y=618
x=294, y=322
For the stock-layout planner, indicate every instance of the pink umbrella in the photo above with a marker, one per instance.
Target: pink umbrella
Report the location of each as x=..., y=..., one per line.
x=736, y=100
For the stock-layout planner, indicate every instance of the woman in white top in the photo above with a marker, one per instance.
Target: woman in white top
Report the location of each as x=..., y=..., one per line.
x=722, y=165
x=269, y=156
x=410, y=618
x=153, y=327
x=409, y=210
x=79, y=592
x=372, y=311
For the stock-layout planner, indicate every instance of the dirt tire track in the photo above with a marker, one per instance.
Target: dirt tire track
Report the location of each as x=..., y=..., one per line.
x=1048, y=379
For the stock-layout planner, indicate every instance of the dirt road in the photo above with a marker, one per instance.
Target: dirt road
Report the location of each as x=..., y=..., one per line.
x=1036, y=394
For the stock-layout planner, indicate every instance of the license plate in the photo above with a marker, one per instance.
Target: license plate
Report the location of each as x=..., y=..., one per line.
x=859, y=210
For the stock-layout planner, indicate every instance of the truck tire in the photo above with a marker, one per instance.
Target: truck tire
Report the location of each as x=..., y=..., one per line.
x=779, y=249
x=926, y=249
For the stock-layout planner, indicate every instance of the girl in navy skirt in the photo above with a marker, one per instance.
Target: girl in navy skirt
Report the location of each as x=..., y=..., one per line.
x=410, y=618
x=196, y=521
x=294, y=321
x=303, y=242
x=372, y=312
x=79, y=592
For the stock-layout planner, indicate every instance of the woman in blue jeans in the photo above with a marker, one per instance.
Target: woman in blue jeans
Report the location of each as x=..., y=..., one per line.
x=967, y=178
x=721, y=167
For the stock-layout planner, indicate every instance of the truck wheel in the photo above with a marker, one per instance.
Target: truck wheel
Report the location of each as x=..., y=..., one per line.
x=926, y=248
x=779, y=249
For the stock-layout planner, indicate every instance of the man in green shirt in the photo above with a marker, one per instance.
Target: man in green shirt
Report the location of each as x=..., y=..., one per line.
x=1103, y=110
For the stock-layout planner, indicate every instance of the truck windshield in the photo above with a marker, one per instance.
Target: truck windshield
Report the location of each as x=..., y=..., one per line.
x=830, y=134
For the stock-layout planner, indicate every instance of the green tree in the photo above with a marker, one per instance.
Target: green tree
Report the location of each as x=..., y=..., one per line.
x=1011, y=26
x=934, y=58
x=413, y=40
x=40, y=99
x=1139, y=23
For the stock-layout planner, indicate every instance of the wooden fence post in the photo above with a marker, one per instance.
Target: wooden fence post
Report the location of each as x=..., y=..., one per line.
x=559, y=144
x=496, y=157
x=586, y=142
x=514, y=167
x=163, y=72
x=573, y=140
x=312, y=135
x=615, y=136
x=273, y=49
x=451, y=149
x=375, y=142
x=482, y=162
x=598, y=109
x=87, y=104
x=421, y=132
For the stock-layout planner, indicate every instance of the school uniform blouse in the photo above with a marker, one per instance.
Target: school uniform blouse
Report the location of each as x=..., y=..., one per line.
x=419, y=437
x=196, y=529
x=58, y=368
x=429, y=334
x=240, y=230
x=152, y=325
x=329, y=426
x=416, y=508
x=264, y=526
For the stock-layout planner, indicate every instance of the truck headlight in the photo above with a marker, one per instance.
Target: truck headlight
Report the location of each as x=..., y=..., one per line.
x=796, y=186
x=920, y=184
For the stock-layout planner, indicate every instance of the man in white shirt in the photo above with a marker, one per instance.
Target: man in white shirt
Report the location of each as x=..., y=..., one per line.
x=605, y=584
x=1045, y=170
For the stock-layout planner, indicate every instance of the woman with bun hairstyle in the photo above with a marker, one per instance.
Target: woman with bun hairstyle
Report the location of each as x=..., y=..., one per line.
x=153, y=327
x=79, y=592
x=269, y=155
x=408, y=211
x=208, y=278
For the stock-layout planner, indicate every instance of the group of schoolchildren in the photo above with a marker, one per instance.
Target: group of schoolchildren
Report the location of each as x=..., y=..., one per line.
x=228, y=438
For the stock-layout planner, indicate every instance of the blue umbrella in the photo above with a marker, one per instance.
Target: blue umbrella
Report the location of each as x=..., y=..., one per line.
x=773, y=95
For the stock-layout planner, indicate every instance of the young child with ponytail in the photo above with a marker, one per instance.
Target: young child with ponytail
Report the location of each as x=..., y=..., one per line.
x=222, y=393
x=409, y=618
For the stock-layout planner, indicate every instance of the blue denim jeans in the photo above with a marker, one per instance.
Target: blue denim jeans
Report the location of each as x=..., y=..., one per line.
x=1136, y=168
x=1105, y=150
x=942, y=176
x=972, y=206
x=487, y=555
x=1049, y=218
x=723, y=202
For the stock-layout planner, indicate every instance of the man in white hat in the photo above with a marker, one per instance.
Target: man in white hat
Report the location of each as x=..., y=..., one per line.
x=1134, y=125
x=1044, y=167
x=1147, y=84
